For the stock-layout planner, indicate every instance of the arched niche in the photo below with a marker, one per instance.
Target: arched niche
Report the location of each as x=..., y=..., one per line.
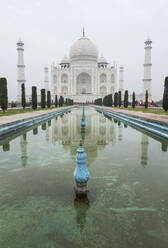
x=83, y=83
x=64, y=91
x=55, y=90
x=112, y=90
x=64, y=78
x=103, y=78
x=103, y=90
x=54, y=79
x=112, y=79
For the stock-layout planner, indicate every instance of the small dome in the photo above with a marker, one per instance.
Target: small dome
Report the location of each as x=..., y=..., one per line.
x=65, y=60
x=83, y=49
x=20, y=42
x=148, y=41
x=102, y=60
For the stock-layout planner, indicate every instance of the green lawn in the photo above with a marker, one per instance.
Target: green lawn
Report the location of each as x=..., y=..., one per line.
x=148, y=110
x=18, y=111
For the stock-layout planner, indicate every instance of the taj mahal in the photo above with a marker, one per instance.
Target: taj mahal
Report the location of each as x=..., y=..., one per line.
x=84, y=75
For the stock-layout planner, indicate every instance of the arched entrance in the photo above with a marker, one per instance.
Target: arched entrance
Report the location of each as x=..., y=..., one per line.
x=83, y=83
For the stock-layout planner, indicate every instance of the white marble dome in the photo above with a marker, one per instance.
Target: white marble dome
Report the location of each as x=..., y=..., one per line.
x=83, y=49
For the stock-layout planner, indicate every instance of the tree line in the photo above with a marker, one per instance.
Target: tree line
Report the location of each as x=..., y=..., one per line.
x=117, y=102
x=46, y=103
x=106, y=101
x=45, y=97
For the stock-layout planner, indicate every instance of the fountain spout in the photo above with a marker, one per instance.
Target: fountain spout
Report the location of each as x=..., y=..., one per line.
x=83, y=119
x=81, y=173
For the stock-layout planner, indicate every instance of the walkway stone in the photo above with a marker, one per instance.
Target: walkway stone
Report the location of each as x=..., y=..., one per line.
x=162, y=119
x=23, y=116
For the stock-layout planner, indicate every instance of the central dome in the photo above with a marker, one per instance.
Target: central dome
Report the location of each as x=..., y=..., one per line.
x=83, y=49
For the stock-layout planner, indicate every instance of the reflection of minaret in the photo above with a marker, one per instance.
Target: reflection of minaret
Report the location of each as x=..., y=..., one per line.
x=120, y=129
x=81, y=205
x=54, y=130
x=47, y=133
x=23, y=146
x=113, y=132
x=20, y=68
x=144, y=150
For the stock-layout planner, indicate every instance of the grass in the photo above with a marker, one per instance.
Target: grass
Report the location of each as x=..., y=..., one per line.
x=148, y=110
x=15, y=111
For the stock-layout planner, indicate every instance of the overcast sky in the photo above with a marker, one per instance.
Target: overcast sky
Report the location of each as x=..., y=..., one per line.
x=118, y=28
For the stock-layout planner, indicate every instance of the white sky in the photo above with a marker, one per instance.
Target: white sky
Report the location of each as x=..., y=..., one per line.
x=118, y=28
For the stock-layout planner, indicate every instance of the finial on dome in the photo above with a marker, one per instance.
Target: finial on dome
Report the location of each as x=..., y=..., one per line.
x=83, y=32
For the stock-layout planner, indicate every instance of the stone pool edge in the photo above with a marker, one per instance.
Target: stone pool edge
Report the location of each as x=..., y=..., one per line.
x=30, y=121
x=158, y=129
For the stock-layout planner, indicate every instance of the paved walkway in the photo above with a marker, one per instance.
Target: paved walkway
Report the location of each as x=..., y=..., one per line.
x=163, y=119
x=17, y=117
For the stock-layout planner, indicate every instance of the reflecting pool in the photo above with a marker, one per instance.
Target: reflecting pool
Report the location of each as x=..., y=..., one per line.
x=127, y=203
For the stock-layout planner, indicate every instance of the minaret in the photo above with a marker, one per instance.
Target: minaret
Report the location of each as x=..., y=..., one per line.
x=147, y=68
x=121, y=80
x=23, y=146
x=20, y=68
x=46, y=81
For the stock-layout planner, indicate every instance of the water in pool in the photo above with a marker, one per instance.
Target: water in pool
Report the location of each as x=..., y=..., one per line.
x=127, y=203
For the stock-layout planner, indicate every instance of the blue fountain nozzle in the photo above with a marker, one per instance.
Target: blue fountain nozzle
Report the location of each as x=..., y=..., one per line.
x=81, y=173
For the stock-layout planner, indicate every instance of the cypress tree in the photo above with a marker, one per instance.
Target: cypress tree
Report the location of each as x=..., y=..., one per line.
x=110, y=100
x=61, y=101
x=23, y=96
x=34, y=97
x=115, y=99
x=146, y=99
x=48, y=99
x=126, y=99
x=133, y=100
x=165, y=95
x=104, y=101
x=3, y=94
x=119, y=99
x=56, y=101
x=43, y=97
x=112, y=103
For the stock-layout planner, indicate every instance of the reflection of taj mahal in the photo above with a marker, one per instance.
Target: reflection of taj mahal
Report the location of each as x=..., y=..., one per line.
x=98, y=133
x=83, y=76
